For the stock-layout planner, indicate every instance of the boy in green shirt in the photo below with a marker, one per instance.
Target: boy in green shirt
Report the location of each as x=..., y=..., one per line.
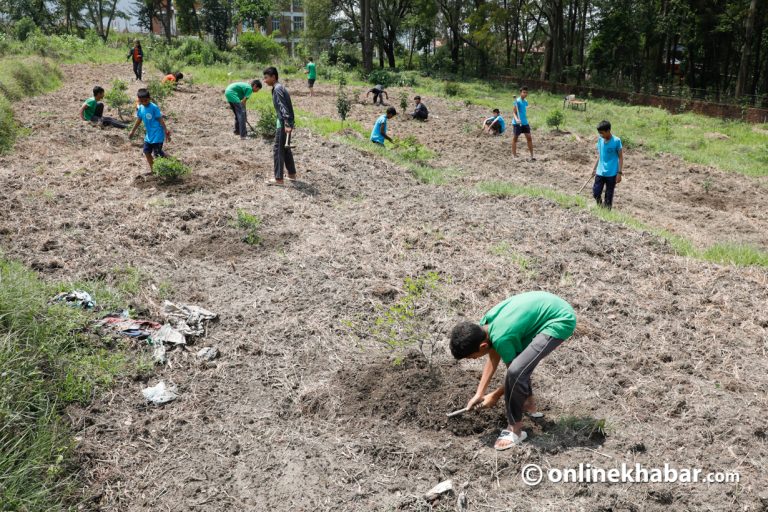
x=93, y=110
x=521, y=331
x=237, y=95
x=311, y=72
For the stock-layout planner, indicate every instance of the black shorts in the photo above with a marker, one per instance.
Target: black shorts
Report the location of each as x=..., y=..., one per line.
x=311, y=82
x=525, y=128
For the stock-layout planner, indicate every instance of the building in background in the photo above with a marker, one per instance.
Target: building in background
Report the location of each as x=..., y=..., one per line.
x=287, y=25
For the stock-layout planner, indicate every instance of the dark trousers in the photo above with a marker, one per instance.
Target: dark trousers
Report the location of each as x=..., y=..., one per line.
x=137, y=69
x=609, y=182
x=517, y=383
x=283, y=156
x=98, y=117
x=241, y=117
x=378, y=97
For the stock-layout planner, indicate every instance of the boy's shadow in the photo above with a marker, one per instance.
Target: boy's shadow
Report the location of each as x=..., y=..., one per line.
x=560, y=434
x=305, y=188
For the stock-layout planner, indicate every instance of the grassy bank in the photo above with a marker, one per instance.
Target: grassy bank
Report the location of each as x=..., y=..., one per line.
x=48, y=360
x=725, y=253
x=21, y=78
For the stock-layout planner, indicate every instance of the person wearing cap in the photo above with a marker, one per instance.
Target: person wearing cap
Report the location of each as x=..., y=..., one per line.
x=379, y=132
x=420, y=112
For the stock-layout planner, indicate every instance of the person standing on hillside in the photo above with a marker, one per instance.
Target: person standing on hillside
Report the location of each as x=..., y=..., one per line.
x=609, y=166
x=282, y=153
x=521, y=331
x=237, y=95
x=136, y=54
x=156, y=132
x=520, y=122
x=311, y=72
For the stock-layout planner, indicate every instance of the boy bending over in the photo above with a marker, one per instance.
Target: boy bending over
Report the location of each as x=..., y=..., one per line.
x=521, y=331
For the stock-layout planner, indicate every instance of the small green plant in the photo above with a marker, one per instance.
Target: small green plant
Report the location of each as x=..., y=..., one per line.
x=169, y=168
x=251, y=224
x=159, y=91
x=555, y=118
x=117, y=98
x=404, y=101
x=400, y=326
x=410, y=149
x=343, y=103
x=266, y=126
x=452, y=89
x=707, y=185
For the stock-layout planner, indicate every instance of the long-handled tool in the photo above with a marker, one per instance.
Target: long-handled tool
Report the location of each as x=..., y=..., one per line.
x=462, y=411
x=591, y=177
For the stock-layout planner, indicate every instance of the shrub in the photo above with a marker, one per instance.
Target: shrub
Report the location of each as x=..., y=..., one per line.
x=24, y=28
x=381, y=76
x=255, y=47
x=7, y=125
x=117, y=98
x=343, y=104
x=158, y=90
x=164, y=63
x=251, y=224
x=453, y=89
x=555, y=118
x=169, y=168
x=266, y=126
x=403, y=101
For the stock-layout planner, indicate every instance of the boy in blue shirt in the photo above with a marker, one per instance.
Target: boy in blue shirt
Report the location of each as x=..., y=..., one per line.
x=379, y=132
x=495, y=123
x=609, y=165
x=154, y=124
x=520, y=122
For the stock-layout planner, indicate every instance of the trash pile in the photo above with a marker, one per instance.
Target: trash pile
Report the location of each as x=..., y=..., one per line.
x=182, y=321
x=75, y=298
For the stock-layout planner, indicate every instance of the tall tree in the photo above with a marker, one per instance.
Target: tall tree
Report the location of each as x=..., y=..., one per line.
x=187, y=19
x=746, y=50
x=101, y=14
x=217, y=15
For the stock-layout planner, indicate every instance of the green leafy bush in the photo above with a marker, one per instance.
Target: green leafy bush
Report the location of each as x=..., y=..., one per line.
x=8, y=127
x=117, y=98
x=403, y=101
x=24, y=28
x=159, y=91
x=453, y=89
x=266, y=126
x=255, y=47
x=343, y=104
x=169, y=168
x=251, y=224
x=555, y=118
x=381, y=76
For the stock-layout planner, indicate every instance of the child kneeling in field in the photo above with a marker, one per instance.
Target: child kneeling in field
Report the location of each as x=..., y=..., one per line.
x=521, y=331
x=379, y=132
x=495, y=124
x=173, y=78
x=154, y=124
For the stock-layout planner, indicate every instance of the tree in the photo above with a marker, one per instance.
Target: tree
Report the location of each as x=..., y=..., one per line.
x=253, y=12
x=101, y=14
x=218, y=21
x=187, y=20
x=320, y=24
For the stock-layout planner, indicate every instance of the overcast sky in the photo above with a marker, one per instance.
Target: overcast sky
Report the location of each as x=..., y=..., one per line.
x=127, y=6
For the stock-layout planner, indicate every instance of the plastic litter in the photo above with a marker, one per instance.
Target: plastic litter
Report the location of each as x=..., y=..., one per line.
x=187, y=319
x=169, y=335
x=439, y=489
x=160, y=393
x=75, y=298
x=208, y=353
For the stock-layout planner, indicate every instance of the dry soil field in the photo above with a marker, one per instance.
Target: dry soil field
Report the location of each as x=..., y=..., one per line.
x=300, y=415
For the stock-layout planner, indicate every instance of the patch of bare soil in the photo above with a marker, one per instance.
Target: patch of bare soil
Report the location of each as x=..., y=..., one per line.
x=297, y=415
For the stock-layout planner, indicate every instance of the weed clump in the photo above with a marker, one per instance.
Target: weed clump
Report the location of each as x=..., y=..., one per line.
x=169, y=168
x=251, y=224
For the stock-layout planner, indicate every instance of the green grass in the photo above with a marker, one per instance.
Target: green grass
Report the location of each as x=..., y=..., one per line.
x=724, y=253
x=21, y=78
x=47, y=360
x=696, y=138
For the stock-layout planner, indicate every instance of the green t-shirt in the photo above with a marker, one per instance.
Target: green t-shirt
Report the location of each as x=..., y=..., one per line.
x=90, y=109
x=312, y=75
x=237, y=91
x=513, y=323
